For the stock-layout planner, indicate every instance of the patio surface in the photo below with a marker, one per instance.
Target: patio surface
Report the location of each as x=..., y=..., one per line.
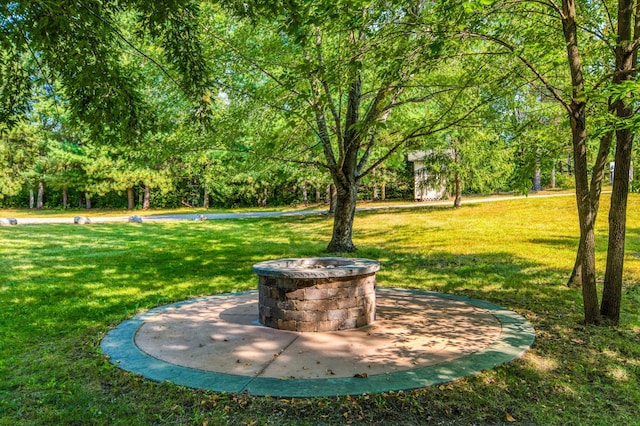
x=419, y=339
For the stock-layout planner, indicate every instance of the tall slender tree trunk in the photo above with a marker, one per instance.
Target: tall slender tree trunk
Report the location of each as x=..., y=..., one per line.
x=626, y=59
x=87, y=200
x=65, y=197
x=383, y=191
x=597, y=177
x=537, y=180
x=612, y=291
x=457, y=180
x=265, y=196
x=40, y=199
x=586, y=217
x=458, y=188
x=577, y=117
x=32, y=199
x=553, y=177
x=374, y=186
x=305, y=195
x=146, y=202
x=206, y=197
x=318, y=197
x=131, y=204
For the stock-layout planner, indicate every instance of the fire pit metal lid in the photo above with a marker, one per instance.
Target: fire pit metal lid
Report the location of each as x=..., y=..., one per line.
x=316, y=267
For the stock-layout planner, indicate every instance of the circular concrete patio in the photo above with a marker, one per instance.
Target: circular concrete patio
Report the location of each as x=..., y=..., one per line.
x=419, y=339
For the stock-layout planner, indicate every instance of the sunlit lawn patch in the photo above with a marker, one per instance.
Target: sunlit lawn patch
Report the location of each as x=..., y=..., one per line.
x=63, y=286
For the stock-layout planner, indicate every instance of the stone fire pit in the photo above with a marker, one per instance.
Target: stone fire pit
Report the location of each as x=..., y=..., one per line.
x=317, y=294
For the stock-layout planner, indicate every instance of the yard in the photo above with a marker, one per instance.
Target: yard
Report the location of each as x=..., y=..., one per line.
x=62, y=287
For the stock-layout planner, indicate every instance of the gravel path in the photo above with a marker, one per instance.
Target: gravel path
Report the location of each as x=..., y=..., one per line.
x=258, y=214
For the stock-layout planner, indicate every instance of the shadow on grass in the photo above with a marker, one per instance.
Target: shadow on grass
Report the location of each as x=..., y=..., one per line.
x=62, y=286
x=498, y=277
x=84, y=274
x=81, y=274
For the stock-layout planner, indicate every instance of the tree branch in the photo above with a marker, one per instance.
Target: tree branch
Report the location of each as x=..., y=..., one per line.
x=162, y=69
x=556, y=94
x=327, y=91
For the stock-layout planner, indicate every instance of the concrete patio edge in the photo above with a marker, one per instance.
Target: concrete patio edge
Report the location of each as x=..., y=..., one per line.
x=516, y=337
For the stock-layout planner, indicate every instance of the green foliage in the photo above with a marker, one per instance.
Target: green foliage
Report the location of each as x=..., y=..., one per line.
x=15, y=88
x=79, y=45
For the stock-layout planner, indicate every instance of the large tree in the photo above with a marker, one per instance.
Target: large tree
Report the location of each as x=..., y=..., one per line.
x=599, y=58
x=356, y=81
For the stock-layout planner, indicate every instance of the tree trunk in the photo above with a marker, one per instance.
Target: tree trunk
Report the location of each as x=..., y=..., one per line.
x=597, y=177
x=537, y=181
x=457, y=180
x=345, y=208
x=130, y=199
x=205, y=196
x=374, y=186
x=577, y=117
x=625, y=61
x=458, y=198
x=40, y=199
x=383, y=191
x=65, y=197
x=586, y=217
x=32, y=200
x=553, y=177
x=305, y=195
x=612, y=292
x=87, y=200
x=146, y=202
x=333, y=198
x=318, y=198
x=265, y=195
x=575, y=280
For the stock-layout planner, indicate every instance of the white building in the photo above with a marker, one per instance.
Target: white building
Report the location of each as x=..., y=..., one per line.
x=427, y=186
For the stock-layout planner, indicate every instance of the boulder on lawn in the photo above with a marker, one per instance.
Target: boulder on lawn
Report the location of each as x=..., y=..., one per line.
x=135, y=219
x=81, y=220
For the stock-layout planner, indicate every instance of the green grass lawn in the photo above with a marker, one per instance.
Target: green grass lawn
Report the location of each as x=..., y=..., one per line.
x=71, y=212
x=62, y=287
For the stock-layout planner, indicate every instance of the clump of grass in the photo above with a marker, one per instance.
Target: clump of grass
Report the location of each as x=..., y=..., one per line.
x=62, y=287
